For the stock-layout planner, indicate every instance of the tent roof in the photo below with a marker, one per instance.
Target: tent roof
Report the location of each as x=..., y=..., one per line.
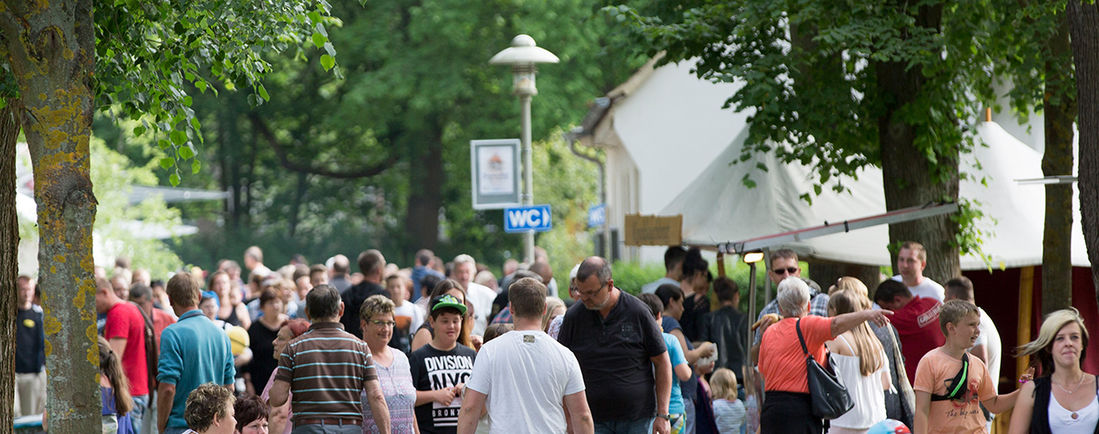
x=717, y=207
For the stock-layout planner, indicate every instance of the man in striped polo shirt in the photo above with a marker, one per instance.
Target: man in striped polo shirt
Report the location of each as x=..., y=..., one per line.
x=327, y=369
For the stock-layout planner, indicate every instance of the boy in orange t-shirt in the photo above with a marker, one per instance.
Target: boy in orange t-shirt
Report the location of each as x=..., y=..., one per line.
x=949, y=384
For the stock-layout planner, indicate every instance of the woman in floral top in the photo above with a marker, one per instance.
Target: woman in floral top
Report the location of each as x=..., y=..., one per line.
x=376, y=316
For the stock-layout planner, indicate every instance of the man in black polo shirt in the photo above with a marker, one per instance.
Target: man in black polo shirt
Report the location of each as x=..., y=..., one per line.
x=621, y=353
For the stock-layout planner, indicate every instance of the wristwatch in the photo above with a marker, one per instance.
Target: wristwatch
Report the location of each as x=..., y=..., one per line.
x=665, y=416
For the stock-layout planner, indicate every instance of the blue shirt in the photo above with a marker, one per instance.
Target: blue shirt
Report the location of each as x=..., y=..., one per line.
x=675, y=353
x=193, y=351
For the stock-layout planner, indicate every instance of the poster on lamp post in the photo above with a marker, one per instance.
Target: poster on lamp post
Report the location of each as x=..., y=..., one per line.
x=495, y=173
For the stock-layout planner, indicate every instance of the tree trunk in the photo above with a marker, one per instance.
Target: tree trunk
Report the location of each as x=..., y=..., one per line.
x=909, y=178
x=1059, y=107
x=52, y=56
x=295, y=207
x=425, y=196
x=9, y=263
x=1084, y=27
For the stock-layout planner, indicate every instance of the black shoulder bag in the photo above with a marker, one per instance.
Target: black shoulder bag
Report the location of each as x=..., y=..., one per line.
x=829, y=398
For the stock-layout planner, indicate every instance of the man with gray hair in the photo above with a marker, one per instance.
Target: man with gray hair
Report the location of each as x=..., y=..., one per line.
x=479, y=295
x=622, y=354
x=326, y=369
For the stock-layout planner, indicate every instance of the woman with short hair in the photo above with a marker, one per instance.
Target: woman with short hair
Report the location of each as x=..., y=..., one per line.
x=394, y=374
x=787, y=409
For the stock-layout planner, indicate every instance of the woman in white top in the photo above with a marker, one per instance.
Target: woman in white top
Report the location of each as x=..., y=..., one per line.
x=860, y=364
x=1063, y=398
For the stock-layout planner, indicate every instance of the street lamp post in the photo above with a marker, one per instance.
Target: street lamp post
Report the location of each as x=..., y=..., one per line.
x=522, y=56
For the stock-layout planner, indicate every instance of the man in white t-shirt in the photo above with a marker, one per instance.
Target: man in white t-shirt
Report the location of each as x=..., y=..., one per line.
x=673, y=264
x=911, y=261
x=524, y=376
x=479, y=295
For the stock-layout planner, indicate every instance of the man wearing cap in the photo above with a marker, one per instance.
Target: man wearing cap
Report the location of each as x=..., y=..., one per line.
x=440, y=368
x=327, y=369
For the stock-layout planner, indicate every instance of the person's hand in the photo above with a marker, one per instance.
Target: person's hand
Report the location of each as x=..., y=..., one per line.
x=444, y=396
x=880, y=316
x=661, y=426
x=477, y=341
x=707, y=349
x=459, y=389
x=1027, y=376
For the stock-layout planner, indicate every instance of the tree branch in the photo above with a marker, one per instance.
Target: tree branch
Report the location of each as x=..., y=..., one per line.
x=284, y=159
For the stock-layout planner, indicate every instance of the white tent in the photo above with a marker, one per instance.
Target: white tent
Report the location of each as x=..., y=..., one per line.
x=717, y=207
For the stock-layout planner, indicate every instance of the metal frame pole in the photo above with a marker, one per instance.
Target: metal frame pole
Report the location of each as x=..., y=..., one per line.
x=528, y=174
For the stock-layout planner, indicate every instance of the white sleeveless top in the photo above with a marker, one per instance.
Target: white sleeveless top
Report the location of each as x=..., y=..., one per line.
x=1061, y=421
x=866, y=391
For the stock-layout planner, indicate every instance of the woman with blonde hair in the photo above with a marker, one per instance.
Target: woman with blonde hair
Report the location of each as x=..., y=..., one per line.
x=554, y=308
x=899, y=405
x=860, y=364
x=849, y=283
x=1062, y=398
x=377, y=322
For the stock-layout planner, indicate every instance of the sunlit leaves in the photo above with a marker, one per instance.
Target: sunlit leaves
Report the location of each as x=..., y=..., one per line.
x=150, y=57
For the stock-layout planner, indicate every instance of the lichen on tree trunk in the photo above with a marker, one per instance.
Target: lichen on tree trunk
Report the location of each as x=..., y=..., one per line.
x=50, y=48
x=9, y=243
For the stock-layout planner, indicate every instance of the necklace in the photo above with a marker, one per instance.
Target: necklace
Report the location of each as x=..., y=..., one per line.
x=1074, y=389
x=1074, y=414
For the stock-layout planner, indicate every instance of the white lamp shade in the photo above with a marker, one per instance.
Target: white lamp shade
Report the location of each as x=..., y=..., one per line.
x=523, y=51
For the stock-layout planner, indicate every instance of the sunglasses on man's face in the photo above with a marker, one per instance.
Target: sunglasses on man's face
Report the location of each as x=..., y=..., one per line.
x=788, y=270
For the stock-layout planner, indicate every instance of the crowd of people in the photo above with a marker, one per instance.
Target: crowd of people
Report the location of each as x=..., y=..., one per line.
x=448, y=347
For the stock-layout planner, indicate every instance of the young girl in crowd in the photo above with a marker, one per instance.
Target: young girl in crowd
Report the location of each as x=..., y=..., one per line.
x=114, y=391
x=728, y=410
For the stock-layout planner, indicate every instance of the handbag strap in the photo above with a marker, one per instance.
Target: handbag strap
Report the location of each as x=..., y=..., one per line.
x=802, y=339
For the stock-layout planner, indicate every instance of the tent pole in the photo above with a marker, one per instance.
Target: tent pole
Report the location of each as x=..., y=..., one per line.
x=1026, y=307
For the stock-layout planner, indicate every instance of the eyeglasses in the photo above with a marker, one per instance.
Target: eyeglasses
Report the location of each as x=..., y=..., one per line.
x=383, y=323
x=590, y=294
x=788, y=270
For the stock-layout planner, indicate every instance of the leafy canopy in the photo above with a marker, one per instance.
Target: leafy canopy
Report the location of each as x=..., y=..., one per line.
x=812, y=72
x=150, y=56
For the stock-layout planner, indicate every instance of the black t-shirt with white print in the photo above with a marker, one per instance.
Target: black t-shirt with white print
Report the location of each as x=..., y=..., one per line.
x=433, y=369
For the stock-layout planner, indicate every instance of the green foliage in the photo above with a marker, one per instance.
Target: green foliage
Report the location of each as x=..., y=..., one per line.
x=416, y=83
x=568, y=184
x=122, y=228
x=151, y=56
x=631, y=276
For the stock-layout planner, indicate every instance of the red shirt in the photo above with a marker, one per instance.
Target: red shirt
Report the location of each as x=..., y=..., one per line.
x=125, y=321
x=161, y=321
x=781, y=360
x=917, y=325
